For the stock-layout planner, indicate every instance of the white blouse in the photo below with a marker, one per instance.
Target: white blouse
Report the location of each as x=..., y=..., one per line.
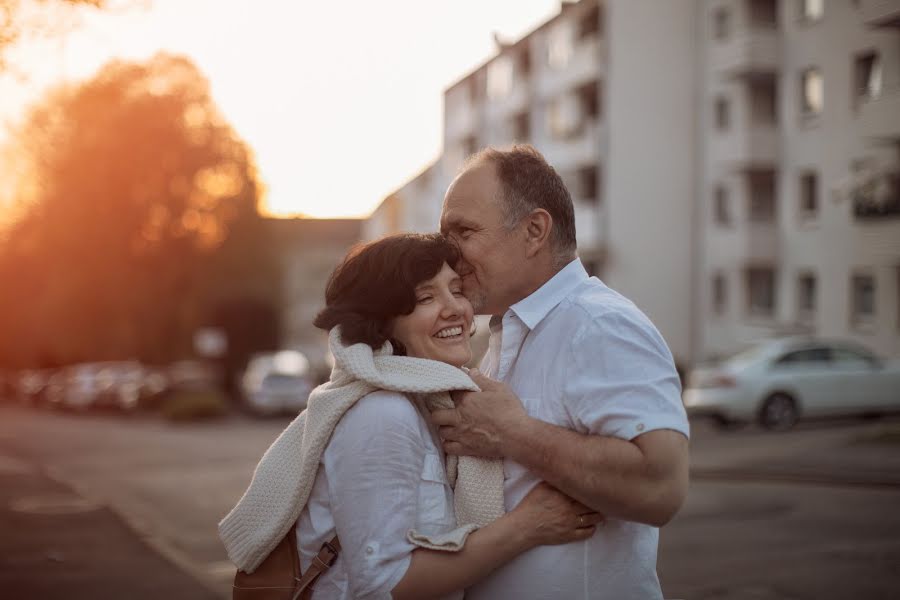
x=381, y=475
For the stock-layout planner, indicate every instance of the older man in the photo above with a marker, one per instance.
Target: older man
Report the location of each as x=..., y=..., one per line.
x=581, y=390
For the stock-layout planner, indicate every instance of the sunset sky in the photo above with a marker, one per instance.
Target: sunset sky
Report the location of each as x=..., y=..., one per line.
x=341, y=101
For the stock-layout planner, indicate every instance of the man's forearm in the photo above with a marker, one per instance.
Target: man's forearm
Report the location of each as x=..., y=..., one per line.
x=610, y=475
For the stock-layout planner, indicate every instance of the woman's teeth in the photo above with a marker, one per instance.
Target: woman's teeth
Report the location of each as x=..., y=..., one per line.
x=449, y=332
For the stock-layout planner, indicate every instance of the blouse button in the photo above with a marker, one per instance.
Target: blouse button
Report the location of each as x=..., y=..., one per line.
x=369, y=549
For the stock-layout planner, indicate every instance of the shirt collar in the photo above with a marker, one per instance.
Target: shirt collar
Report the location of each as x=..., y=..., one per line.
x=532, y=309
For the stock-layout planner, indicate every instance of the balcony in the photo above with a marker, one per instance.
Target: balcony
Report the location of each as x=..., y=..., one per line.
x=581, y=149
x=588, y=226
x=748, y=53
x=880, y=13
x=761, y=245
x=517, y=100
x=879, y=117
x=753, y=146
x=584, y=65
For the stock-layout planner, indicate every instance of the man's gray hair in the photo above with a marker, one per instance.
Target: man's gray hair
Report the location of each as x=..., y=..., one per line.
x=527, y=182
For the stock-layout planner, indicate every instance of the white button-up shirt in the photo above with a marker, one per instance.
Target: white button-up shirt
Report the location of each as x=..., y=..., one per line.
x=381, y=475
x=581, y=356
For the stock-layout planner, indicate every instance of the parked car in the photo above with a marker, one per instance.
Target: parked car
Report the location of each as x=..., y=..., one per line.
x=31, y=385
x=277, y=382
x=113, y=385
x=778, y=382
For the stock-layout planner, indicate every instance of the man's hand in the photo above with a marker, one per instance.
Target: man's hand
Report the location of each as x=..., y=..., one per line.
x=476, y=427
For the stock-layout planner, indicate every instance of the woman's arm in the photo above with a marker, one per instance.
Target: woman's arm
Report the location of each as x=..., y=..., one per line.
x=545, y=516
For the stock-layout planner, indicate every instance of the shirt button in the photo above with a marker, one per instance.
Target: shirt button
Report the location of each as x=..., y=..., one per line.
x=640, y=427
x=369, y=549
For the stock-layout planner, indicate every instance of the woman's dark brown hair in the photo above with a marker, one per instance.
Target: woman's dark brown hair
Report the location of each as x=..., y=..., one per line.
x=377, y=282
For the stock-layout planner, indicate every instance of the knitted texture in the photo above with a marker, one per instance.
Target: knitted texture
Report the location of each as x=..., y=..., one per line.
x=284, y=477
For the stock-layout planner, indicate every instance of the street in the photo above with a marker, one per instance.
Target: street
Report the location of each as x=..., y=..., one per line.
x=805, y=514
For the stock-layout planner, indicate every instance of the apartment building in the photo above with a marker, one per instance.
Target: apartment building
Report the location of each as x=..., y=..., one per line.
x=734, y=163
x=800, y=130
x=310, y=249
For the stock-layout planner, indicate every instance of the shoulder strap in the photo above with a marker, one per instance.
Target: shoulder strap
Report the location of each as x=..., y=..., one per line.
x=321, y=562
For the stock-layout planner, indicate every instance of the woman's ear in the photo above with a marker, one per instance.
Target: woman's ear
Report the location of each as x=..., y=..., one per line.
x=538, y=225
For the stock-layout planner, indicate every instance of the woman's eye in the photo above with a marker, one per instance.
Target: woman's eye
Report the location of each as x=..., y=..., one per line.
x=423, y=299
x=456, y=292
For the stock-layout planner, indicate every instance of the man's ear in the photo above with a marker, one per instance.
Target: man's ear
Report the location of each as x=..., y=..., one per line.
x=538, y=226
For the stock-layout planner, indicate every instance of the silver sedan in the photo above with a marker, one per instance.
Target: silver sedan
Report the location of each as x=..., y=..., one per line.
x=778, y=382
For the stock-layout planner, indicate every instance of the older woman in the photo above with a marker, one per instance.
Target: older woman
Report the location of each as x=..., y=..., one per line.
x=400, y=332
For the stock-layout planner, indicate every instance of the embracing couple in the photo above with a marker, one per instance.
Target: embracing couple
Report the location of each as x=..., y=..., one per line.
x=543, y=475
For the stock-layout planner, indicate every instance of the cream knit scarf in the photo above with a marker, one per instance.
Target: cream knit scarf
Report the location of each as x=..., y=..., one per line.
x=285, y=475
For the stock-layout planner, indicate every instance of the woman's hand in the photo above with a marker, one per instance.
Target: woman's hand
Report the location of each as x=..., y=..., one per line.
x=549, y=517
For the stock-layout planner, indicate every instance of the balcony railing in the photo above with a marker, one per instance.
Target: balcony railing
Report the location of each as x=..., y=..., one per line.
x=751, y=51
x=880, y=13
x=879, y=115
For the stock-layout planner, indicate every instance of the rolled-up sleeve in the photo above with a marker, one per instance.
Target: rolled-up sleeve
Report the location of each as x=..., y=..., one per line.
x=621, y=380
x=373, y=465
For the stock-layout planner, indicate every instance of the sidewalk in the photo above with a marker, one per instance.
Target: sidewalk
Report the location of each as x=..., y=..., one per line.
x=56, y=544
x=869, y=458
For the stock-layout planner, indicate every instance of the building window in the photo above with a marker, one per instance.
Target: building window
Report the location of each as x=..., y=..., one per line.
x=521, y=127
x=564, y=117
x=500, y=77
x=809, y=195
x=589, y=25
x=719, y=293
x=761, y=193
x=589, y=100
x=867, y=76
x=722, y=113
x=862, y=299
x=812, y=88
x=761, y=291
x=806, y=296
x=811, y=10
x=469, y=145
x=763, y=13
x=559, y=47
x=721, y=207
x=588, y=185
x=763, y=97
x=721, y=23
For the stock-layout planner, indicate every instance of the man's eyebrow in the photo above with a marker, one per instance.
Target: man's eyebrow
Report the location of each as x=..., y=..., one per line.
x=459, y=223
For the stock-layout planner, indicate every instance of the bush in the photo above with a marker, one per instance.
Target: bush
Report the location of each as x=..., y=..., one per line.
x=191, y=405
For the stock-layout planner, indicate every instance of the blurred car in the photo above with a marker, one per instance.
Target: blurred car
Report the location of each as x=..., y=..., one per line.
x=778, y=382
x=277, y=382
x=113, y=385
x=31, y=385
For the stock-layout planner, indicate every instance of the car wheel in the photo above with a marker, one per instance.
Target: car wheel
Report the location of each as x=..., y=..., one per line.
x=779, y=412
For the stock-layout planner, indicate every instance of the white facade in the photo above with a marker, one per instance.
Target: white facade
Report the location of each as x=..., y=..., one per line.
x=734, y=163
x=651, y=167
x=808, y=100
x=414, y=207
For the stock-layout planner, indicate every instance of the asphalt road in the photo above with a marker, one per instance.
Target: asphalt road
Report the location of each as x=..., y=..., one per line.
x=749, y=530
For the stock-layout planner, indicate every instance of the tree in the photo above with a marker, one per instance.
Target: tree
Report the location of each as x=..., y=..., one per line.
x=139, y=217
x=23, y=19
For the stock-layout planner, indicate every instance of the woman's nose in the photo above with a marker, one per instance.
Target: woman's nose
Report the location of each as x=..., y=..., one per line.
x=452, y=307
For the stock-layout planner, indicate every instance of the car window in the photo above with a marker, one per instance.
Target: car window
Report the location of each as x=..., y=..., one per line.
x=807, y=356
x=849, y=357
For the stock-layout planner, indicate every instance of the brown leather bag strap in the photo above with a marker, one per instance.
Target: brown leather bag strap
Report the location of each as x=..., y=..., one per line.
x=321, y=562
